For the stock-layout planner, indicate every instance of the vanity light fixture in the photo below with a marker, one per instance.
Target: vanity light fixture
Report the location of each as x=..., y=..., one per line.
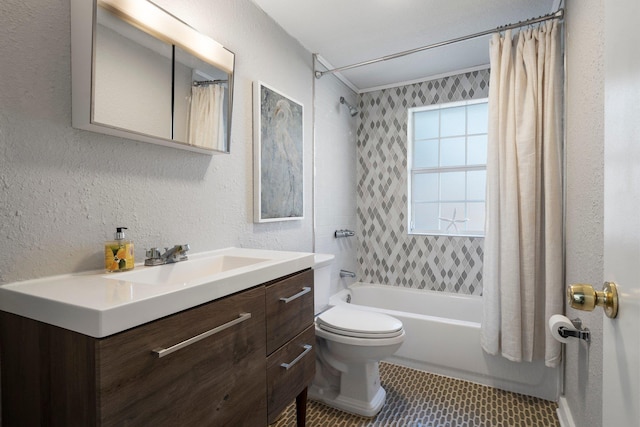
x=161, y=24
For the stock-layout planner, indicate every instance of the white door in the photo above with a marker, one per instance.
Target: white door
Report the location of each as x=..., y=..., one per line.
x=621, y=340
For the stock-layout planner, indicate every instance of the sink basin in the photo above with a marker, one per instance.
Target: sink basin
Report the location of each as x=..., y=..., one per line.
x=187, y=271
x=98, y=304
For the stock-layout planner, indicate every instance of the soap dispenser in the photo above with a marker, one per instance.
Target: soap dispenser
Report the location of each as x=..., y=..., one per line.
x=118, y=253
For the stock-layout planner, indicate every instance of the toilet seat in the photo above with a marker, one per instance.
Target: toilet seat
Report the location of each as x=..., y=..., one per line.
x=359, y=324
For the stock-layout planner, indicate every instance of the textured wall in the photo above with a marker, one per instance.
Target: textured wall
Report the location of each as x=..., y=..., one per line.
x=584, y=200
x=335, y=178
x=63, y=191
x=386, y=253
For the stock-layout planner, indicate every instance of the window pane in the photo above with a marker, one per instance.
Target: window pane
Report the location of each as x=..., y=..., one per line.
x=452, y=186
x=425, y=154
x=425, y=124
x=477, y=118
x=425, y=216
x=475, y=213
x=425, y=187
x=452, y=152
x=477, y=150
x=452, y=121
x=476, y=184
x=454, y=218
x=447, y=169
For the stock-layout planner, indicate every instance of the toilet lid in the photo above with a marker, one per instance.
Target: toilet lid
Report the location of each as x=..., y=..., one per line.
x=359, y=323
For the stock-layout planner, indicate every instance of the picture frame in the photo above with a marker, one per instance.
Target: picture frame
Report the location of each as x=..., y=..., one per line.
x=278, y=129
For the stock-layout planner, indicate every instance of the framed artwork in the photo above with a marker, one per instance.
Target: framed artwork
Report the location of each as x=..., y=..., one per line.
x=278, y=155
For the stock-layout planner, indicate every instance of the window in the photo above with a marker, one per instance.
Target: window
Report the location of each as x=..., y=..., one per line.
x=447, y=162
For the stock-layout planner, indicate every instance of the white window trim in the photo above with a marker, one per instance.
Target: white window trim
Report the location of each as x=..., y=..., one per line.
x=411, y=170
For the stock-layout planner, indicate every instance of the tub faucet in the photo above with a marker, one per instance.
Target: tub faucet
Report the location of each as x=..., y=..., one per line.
x=175, y=254
x=344, y=233
x=345, y=273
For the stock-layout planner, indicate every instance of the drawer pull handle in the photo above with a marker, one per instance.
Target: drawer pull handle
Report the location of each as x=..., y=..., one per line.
x=161, y=352
x=304, y=290
x=287, y=366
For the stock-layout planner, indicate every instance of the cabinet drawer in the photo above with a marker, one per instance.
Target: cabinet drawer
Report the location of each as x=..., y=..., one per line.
x=284, y=383
x=217, y=380
x=289, y=308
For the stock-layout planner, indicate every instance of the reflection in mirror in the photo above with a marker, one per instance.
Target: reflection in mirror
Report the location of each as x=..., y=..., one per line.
x=141, y=73
x=206, y=115
x=201, y=109
x=131, y=78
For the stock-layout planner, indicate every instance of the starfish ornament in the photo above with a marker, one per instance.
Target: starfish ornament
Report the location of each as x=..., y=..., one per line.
x=453, y=222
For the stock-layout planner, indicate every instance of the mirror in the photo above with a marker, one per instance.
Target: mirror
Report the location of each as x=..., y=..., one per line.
x=140, y=73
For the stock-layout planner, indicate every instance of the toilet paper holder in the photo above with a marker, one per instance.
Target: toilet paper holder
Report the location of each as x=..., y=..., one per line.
x=583, y=334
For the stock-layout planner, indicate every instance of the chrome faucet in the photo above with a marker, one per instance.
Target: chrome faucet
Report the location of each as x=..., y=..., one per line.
x=175, y=254
x=344, y=233
x=346, y=273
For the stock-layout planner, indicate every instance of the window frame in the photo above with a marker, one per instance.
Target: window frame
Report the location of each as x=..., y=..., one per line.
x=412, y=171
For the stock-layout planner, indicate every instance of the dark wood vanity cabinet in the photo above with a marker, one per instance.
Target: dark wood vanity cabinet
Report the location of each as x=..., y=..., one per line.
x=290, y=343
x=55, y=377
x=218, y=380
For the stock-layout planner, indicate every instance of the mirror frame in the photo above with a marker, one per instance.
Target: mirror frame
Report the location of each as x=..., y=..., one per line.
x=157, y=22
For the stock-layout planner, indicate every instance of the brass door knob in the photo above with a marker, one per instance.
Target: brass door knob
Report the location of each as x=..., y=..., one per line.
x=584, y=297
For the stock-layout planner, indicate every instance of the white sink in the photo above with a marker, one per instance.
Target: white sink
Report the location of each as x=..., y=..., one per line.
x=190, y=271
x=98, y=304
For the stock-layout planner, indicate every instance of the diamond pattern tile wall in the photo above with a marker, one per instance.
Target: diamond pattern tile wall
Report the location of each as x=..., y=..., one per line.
x=386, y=253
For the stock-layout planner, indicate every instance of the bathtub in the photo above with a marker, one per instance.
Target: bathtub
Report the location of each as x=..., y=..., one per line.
x=443, y=337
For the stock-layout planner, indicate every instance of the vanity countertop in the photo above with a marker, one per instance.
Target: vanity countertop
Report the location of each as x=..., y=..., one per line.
x=100, y=304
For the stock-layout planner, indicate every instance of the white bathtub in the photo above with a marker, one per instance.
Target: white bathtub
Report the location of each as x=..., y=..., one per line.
x=443, y=337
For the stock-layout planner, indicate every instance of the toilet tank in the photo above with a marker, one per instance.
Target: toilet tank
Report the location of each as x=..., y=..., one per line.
x=322, y=267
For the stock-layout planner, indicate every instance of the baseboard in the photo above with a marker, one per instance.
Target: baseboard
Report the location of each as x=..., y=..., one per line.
x=564, y=413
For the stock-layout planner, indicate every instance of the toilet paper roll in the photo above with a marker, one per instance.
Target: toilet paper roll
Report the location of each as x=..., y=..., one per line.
x=558, y=321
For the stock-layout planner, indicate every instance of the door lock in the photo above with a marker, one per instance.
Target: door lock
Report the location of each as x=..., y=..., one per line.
x=584, y=297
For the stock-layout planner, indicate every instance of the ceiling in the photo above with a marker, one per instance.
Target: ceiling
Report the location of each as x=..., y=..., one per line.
x=344, y=32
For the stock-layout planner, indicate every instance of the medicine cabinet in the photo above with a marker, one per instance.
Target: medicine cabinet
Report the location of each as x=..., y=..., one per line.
x=140, y=73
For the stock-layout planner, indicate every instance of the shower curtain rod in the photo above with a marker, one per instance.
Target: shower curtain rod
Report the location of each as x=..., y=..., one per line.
x=559, y=14
x=209, y=82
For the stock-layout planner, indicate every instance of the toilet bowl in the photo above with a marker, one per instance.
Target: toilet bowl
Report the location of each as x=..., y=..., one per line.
x=349, y=345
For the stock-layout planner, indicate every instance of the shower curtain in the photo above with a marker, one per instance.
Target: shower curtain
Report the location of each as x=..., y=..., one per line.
x=523, y=253
x=206, y=117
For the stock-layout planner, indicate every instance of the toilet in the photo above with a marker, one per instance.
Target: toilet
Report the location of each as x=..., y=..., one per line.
x=349, y=345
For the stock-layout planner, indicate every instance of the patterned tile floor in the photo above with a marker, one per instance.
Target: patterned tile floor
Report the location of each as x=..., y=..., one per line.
x=421, y=399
